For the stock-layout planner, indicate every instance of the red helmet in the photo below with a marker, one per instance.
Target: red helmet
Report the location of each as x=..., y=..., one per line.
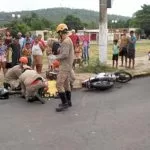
x=56, y=64
x=23, y=60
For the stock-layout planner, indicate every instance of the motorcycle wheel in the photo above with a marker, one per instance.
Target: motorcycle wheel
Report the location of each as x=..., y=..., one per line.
x=123, y=77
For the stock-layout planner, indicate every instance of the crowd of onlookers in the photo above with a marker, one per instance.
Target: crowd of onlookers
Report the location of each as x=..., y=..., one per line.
x=19, y=46
x=33, y=47
x=125, y=48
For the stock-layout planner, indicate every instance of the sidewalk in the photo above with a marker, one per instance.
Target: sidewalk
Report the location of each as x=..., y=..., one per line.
x=142, y=68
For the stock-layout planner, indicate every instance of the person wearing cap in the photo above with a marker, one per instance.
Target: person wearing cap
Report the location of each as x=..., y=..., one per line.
x=30, y=86
x=12, y=75
x=65, y=57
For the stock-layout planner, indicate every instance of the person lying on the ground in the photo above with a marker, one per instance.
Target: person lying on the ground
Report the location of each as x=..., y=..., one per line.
x=12, y=75
x=31, y=82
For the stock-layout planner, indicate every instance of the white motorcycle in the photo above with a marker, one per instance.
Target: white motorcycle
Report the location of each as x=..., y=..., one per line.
x=105, y=81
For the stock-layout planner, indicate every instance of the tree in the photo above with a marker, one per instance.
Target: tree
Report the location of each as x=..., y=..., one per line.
x=27, y=23
x=92, y=25
x=73, y=22
x=141, y=19
x=16, y=26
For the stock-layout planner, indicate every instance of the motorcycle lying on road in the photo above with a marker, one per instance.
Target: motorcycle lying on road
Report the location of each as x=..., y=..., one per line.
x=103, y=81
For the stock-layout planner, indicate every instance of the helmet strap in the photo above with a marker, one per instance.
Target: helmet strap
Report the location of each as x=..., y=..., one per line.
x=60, y=34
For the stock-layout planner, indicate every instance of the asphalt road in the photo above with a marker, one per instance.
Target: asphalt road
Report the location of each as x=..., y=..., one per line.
x=118, y=119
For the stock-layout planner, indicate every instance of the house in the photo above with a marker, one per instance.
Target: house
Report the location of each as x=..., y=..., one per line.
x=94, y=34
x=45, y=33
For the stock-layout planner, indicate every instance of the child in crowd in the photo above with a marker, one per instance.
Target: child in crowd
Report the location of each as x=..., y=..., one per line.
x=78, y=55
x=26, y=51
x=3, y=54
x=115, y=53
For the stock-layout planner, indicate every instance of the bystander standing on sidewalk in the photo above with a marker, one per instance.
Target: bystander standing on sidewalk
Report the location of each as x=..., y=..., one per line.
x=123, y=48
x=37, y=53
x=86, y=46
x=77, y=56
x=21, y=39
x=75, y=38
x=131, y=49
x=41, y=41
x=115, y=53
x=3, y=54
x=27, y=52
x=16, y=51
x=7, y=41
x=27, y=39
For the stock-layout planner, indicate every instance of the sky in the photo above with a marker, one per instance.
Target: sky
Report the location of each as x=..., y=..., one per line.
x=119, y=7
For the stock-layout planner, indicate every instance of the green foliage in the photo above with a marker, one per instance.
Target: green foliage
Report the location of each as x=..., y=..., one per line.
x=73, y=22
x=57, y=15
x=17, y=26
x=27, y=23
x=119, y=24
x=50, y=18
x=141, y=19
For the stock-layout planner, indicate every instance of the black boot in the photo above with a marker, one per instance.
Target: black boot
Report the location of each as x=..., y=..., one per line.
x=64, y=104
x=68, y=95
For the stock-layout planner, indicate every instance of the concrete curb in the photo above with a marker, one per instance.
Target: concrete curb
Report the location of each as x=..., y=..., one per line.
x=141, y=75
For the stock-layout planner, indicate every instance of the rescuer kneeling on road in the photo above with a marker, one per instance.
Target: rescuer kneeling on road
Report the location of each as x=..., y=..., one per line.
x=12, y=75
x=31, y=82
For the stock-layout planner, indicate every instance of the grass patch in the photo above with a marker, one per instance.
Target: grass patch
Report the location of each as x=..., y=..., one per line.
x=95, y=66
x=142, y=48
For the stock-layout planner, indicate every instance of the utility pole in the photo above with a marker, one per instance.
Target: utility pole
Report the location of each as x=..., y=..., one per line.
x=103, y=31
